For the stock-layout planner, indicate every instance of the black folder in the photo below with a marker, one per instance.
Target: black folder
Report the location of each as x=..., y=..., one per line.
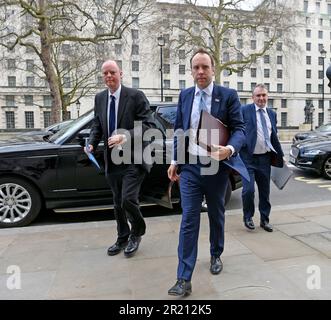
x=280, y=176
x=211, y=131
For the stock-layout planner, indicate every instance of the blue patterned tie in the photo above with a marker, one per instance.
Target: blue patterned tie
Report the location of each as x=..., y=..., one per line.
x=265, y=131
x=111, y=125
x=202, y=103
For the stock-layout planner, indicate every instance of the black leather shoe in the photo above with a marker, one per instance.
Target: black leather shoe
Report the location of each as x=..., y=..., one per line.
x=116, y=248
x=132, y=247
x=181, y=288
x=266, y=226
x=216, y=265
x=249, y=224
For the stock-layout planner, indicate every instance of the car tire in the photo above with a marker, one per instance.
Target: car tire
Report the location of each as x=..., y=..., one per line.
x=20, y=202
x=327, y=168
x=228, y=193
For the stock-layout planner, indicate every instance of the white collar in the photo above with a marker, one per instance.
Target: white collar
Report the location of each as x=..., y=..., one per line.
x=258, y=108
x=208, y=90
x=116, y=94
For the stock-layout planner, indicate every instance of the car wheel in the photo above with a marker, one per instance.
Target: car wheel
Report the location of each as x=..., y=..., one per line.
x=228, y=193
x=20, y=202
x=327, y=168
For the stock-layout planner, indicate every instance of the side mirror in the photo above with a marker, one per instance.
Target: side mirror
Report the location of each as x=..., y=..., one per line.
x=82, y=136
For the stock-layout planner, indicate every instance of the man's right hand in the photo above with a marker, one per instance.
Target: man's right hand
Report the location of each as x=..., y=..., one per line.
x=172, y=173
x=88, y=149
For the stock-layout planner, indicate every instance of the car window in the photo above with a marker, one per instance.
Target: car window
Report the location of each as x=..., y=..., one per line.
x=71, y=129
x=324, y=128
x=168, y=115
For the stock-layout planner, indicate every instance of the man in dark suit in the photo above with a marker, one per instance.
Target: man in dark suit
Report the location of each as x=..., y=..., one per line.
x=116, y=109
x=195, y=180
x=261, y=150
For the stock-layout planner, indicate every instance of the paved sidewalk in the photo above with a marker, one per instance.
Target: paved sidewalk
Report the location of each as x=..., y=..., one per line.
x=69, y=261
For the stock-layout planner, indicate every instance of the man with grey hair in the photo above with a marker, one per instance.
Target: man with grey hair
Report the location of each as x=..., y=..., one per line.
x=119, y=107
x=261, y=150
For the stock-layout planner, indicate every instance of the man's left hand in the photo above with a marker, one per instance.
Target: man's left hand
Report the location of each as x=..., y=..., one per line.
x=220, y=152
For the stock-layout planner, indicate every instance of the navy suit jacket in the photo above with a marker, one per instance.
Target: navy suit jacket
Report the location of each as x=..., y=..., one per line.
x=249, y=114
x=225, y=106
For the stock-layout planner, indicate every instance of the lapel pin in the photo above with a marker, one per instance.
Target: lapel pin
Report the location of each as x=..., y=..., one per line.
x=217, y=100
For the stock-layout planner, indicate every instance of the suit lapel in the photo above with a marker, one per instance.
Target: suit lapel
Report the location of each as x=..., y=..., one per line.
x=215, y=101
x=188, y=105
x=122, y=105
x=104, y=109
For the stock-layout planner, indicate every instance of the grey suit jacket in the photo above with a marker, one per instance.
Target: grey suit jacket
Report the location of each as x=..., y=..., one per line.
x=133, y=106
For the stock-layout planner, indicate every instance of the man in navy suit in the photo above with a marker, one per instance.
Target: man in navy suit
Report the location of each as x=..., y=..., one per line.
x=193, y=162
x=261, y=150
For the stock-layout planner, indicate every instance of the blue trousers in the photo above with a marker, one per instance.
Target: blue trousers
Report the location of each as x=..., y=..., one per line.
x=193, y=186
x=259, y=172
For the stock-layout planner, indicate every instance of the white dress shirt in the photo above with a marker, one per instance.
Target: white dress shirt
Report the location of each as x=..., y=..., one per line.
x=116, y=94
x=261, y=147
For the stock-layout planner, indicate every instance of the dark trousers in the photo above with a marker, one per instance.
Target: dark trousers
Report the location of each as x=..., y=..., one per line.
x=259, y=172
x=193, y=186
x=125, y=182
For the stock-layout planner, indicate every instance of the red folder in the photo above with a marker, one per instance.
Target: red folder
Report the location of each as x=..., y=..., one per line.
x=211, y=131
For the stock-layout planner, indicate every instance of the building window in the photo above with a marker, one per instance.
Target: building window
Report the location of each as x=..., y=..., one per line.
x=118, y=49
x=168, y=99
x=240, y=86
x=318, y=7
x=305, y=6
x=279, y=74
x=182, y=84
x=240, y=73
x=320, y=104
x=320, y=74
x=226, y=84
x=30, y=81
x=181, y=54
x=279, y=59
x=253, y=44
x=279, y=87
x=267, y=85
x=10, y=120
x=119, y=63
x=166, y=84
x=29, y=119
x=239, y=43
x=135, y=50
x=135, y=34
x=320, y=34
x=253, y=72
x=308, y=33
x=279, y=46
x=283, y=119
x=308, y=73
x=308, y=87
x=320, y=118
x=29, y=65
x=66, y=82
x=271, y=103
x=47, y=101
x=28, y=100
x=266, y=73
x=253, y=85
x=135, y=82
x=266, y=59
x=11, y=64
x=226, y=56
x=47, y=119
x=11, y=81
x=66, y=49
x=320, y=88
x=10, y=101
x=135, y=65
x=166, y=68
x=243, y=101
x=283, y=103
x=308, y=46
x=308, y=59
x=181, y=69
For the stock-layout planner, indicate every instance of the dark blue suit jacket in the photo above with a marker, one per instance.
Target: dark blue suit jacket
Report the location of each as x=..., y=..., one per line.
x=249, y=114
x=225, y=106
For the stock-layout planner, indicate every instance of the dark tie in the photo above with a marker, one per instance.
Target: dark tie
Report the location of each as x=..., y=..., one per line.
x=265, y=131
x=111, y=125
x=202, y=103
